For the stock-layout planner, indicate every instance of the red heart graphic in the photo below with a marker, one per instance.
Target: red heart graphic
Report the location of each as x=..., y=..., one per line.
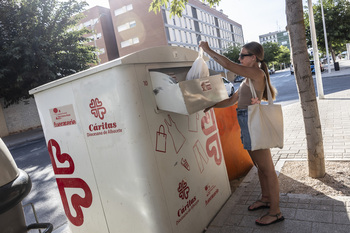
x=61, y=158
x=76, y=200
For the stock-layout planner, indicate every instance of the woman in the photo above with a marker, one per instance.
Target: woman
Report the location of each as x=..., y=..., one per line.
x=254, y=68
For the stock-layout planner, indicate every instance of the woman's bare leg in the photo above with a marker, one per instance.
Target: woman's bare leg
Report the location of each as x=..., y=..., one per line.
x=268, y=181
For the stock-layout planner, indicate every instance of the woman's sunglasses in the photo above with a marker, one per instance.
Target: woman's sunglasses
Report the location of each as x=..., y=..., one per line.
x=242, y=55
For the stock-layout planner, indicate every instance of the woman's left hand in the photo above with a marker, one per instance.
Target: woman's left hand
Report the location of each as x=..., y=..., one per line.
x=255, y=101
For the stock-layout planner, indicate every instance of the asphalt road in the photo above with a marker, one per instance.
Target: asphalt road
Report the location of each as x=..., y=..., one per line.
x=33, y=157
x=286, y=86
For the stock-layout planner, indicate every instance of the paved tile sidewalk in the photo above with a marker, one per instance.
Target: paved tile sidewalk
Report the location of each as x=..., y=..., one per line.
x=303, y=213
x=335, y=121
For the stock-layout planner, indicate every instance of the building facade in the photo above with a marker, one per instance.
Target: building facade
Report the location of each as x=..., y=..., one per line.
x=280, y=37
x=98, y=19
x=283, y=39
x=136, y=28
x=200, y=22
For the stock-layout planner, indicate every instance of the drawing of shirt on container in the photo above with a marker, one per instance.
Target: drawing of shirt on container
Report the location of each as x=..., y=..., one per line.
x=176, y=136
x=201, y=156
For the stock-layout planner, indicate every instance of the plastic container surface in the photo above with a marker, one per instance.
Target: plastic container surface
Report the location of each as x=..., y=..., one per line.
x=123, y=165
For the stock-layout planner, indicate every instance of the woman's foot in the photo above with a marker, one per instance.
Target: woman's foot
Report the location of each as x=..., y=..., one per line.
x=269, y=219
x=259, y=204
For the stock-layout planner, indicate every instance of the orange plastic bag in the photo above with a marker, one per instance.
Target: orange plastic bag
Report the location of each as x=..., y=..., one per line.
x=237, y=159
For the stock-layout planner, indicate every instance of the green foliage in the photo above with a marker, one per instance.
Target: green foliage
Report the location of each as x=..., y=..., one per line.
x=284, y=55
x=275, y=54
x=337, y=20
x=232, y=53
x=36, y=45
x=176, y=6
x=271, y=51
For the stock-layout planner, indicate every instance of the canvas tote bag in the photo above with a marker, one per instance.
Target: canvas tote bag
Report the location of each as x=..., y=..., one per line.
x=265, y=122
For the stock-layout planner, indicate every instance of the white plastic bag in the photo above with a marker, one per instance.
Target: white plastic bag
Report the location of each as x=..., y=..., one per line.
x=199, y=68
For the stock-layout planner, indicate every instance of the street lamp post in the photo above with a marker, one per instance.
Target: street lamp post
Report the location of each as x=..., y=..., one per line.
x=325, y=37
x=315, y=52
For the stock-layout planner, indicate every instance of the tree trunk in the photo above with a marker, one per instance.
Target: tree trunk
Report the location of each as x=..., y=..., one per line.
x=306, y=89
x=332, y=52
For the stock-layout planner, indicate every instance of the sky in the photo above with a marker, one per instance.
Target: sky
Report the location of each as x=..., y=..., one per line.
x=257, y=17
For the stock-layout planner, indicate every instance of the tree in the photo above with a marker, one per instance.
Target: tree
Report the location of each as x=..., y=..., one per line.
x=37, y=45
x=283, y=56
x=337, y=21
x=303, y=76
x=271, y=52
x=232, y=52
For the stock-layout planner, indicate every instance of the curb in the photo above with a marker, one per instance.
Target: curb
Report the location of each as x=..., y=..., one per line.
x=23, y=138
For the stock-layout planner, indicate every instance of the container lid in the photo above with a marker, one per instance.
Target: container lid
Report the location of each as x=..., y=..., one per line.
x=8, y=167
x=162, y=54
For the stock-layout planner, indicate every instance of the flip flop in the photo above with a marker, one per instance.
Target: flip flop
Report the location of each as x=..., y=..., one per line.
x=278, y=219
x=265, y=206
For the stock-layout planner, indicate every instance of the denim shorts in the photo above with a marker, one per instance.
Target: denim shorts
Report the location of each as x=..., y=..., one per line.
x=242, y=116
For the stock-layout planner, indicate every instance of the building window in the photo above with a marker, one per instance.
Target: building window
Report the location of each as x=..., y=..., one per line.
x=183, y=36
x=87, y=24
x=129, y=42
x=177, y=35
x=123, y=9
x=172, y=34
x=189, y=10
x=101, y=51
x=126, y=26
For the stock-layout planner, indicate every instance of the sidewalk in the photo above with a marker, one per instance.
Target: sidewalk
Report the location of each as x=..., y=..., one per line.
x=344, y=65
x=303, y=213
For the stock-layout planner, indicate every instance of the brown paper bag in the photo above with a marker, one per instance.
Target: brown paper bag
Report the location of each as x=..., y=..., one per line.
x=203, y=92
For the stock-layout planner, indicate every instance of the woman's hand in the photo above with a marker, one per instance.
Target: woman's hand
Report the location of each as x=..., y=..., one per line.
x=255, y=101
x=208, y=108
x=204, y=45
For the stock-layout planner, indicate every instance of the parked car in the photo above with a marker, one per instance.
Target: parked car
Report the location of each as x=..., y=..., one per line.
x=229, y=87
x=344, y=54
x=312, y=66
x=238, y=79
x=272, y=71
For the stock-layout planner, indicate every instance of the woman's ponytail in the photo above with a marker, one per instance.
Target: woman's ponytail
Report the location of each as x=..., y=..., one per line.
x=273, y=90
x=257, y=49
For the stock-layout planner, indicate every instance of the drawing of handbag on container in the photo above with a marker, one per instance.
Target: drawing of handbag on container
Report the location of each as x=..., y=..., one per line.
x=161, y=139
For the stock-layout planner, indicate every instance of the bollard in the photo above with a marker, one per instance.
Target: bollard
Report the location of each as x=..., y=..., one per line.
x=336, y=66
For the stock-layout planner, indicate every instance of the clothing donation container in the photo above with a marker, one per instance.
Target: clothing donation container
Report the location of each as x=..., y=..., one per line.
x=124, y=165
